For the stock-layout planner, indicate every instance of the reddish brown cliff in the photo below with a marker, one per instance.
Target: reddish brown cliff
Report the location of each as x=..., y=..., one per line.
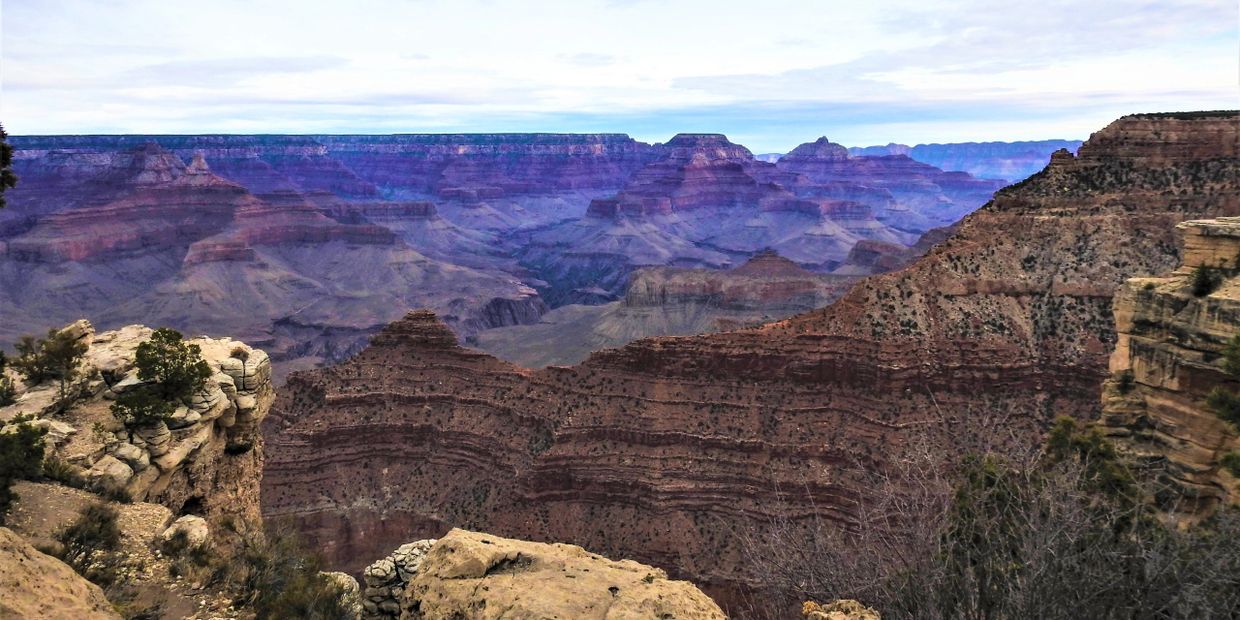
x=655, y=450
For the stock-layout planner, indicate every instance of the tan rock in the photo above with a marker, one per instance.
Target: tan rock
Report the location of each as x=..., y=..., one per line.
x=36, y=585
x=194, y=528
x=110, y=472
x=843, y=609
x=1166, y=362
x=467, y=574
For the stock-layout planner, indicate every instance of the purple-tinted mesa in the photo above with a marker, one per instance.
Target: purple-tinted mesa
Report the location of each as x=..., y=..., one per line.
x=305, y=245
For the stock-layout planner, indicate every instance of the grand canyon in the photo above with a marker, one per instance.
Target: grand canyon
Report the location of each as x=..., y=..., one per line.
x=265, y=237
x=607, y=310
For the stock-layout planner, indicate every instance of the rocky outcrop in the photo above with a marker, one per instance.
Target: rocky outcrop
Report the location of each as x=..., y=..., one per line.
x=387, y=578
x=1011, y=161
x=468, y=574
x=205, y=460
x=36, y=585
x=839, y=610
x=918, y=196
x=1167, y=359
x=655, y=450
x=668, y=301
x=767, y=283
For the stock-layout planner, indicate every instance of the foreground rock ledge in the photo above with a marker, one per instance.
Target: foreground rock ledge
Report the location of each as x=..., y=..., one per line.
x=36, y=585
x=472, y=575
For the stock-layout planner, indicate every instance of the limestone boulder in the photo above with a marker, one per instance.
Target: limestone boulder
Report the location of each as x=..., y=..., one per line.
x=842, y=609
x=193, y=527
x=471, y=575
x=109, y=472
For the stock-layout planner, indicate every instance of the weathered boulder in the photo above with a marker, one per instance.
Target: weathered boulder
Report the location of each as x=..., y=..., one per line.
x=471, y=575
x=193, y=527
x=843, y=609
x=109, y=472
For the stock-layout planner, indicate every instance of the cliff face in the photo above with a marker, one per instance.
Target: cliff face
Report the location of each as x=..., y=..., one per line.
x=654, y=450
x=198, y=472
x=1167, y=360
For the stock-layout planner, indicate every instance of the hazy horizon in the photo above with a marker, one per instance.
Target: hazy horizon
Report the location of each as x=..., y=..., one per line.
x=769, y=76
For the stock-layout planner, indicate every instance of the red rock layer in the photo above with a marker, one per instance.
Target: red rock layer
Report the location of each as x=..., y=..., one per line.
x=660, y=450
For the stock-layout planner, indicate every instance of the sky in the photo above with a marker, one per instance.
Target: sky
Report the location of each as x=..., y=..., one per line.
x=770, y=74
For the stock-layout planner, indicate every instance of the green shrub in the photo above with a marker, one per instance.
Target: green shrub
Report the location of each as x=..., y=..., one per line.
x=87, y=544
x=1205, y=281
x=1125, y=381
x=57, y=470
x=280, y=579
x=8, y=393
x=55, y=357
x=1231, y=462
x=1225, y=404
x=21, y=458
x=173, y=371
x=1231, y=356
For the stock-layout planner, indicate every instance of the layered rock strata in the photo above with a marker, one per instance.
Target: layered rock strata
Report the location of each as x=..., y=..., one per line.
x=179, y=245
x=667, y=301
x=658, y=449
x=1167, y=360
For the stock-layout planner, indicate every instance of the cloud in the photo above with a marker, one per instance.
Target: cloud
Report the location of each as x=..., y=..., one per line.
x=587, y=59
x=215, y=72
x=773, y=73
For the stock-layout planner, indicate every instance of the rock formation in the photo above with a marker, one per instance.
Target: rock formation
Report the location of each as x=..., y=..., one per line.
x=708, y=203
x=655, y=450
x=473, y=575
x=669, y=301
x=183, y=247
x=839, y=610
x=194, y=477
x=1167, y=360
x=36, y=585
x=205, y=460
x=1010, y=161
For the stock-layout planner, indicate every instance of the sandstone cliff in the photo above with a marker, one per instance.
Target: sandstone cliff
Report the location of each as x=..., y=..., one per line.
x=1167, y=360
x=473, y=575
x=654, y=450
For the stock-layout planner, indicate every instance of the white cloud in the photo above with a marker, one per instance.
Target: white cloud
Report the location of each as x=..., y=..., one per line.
x=925, y=71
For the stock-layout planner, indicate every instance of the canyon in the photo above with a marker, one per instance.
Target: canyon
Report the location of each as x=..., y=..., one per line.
x=672, y=301
x=664, y=450
x=1010, y=161
x=307, y=245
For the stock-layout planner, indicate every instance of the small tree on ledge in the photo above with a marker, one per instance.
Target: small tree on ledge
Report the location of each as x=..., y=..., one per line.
x=172, y=370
